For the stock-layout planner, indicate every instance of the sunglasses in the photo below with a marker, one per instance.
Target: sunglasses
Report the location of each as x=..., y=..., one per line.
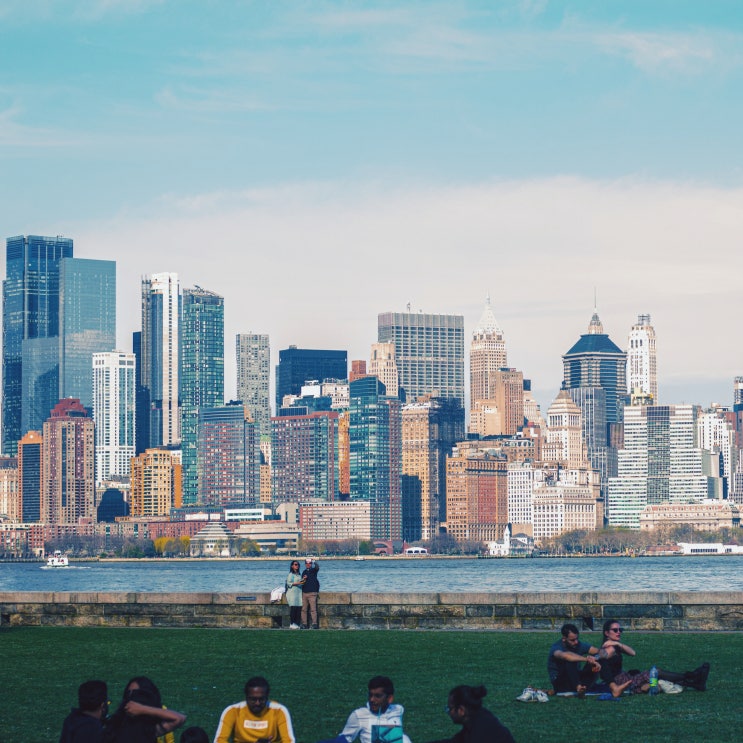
x=616, y=629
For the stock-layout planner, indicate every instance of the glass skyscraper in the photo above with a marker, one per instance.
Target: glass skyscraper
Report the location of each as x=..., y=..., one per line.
x=201, y=374
x=253, y=353
x=298, y=365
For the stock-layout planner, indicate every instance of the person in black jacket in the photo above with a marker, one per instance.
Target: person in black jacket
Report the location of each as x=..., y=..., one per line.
x=479, y=725
x=310, y=589
x=85, y=723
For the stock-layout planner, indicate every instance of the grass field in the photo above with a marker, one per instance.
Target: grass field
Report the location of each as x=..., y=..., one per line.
x=321, y=676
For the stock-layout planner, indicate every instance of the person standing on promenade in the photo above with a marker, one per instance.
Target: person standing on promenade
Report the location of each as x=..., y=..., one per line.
x=257, y=719
x=638, y=682
x=84, y=724
x=479, y=725
x=294, y=582
x=310, y=590
x=564, y=658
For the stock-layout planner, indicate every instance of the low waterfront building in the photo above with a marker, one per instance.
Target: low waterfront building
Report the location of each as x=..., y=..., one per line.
x=709, y=515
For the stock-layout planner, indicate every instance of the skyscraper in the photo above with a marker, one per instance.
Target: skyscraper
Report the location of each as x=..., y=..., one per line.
x=382, y=366
x=68, y=465
x=375, y=457
x=156, y=483
x=201, y=374
x=160, y=348
x=429, y=353
x=487, y=355
x=30, y=320
x=228, y=456
x=113, y=413
x=642, y=371
x=299, y=365
x=253, y=353
x=29, y=476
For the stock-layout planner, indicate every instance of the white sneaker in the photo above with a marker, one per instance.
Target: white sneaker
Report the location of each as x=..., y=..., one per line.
x=540, y=696
x=527, y=695
x=293, y=626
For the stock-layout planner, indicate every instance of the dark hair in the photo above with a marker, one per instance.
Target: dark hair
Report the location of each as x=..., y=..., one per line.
x=469, y=697
x=147, y=693
x=120, y=724
x=382, y=682
x=608, y=624
x=293, y=563
x=194, y=735
x=91, y=695
x=569, y=629
x=257, y=682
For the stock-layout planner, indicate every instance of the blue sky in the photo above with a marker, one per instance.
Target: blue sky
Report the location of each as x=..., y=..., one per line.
x=321, y=162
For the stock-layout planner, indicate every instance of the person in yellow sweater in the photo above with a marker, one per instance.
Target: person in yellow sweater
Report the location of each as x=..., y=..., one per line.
x=257, y=719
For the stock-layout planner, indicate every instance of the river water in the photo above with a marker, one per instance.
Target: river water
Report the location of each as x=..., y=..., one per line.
x=391, y=575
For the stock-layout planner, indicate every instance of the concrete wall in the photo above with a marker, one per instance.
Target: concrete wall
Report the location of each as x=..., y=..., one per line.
x=641, y=610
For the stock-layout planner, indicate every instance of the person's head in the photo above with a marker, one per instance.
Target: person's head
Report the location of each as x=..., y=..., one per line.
x=381, y=693
x=256, y=694
x=143, y=690
x=308, y=563
x=92, y=697
x=569, y=634
x=612, y=630
x=294, y=566
x=463, y=701
x=194, y=735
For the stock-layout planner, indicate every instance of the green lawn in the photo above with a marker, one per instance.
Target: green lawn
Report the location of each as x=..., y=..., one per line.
x=321, y=675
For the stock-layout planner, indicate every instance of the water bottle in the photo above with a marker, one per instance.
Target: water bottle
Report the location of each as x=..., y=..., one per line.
x=653, y=690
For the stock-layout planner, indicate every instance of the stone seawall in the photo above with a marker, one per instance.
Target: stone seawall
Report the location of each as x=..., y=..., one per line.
x=640, y=610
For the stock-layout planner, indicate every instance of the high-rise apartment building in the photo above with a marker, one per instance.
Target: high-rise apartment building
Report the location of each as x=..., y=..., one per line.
x=253, y=353
x=10, y=499
x=29, y=476
x=430, y=428
x=68, y=465
x=299, y=365
x=30, y=321
x=159, y=353
x=304, y=456
x=201, y=374
x=487, y=355
x=642, y=369
x=429, y=353
x=156, y=483
x=114, y=378
x=661, y=462
x=375, y=454
x=382, y=366
x=228, y=457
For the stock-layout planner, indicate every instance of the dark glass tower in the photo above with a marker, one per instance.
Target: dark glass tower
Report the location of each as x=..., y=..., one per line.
x=30, y=322
x=298, y=365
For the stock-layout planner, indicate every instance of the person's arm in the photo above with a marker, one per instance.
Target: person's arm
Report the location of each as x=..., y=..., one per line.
x=167, y=719
x=226, y=725
x=286, y=731
x=622, y=647
x=352, y=727
x=570, y=656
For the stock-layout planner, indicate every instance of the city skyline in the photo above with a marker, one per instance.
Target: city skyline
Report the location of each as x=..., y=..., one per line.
x=538, y=153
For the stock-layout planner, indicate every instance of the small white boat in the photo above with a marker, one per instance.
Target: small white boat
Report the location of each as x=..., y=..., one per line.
x=57, y=560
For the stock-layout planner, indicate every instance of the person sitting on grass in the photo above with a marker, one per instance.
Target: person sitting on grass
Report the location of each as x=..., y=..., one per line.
x=564, y=659
x=479, y=725
x=85, y=723
x=257, y=719
x=638, y=682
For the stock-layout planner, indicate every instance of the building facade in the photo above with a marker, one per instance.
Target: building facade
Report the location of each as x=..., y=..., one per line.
x=297, y=366
x=156, y=483
x=382, y=365
x=29, y=476
x=114, y=378
x=642, y=364
x=253, y=353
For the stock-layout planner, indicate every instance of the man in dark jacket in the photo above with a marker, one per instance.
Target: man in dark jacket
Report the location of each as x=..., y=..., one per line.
x=310, y=589
x=85, y=723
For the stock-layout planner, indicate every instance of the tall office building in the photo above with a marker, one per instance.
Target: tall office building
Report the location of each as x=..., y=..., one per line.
x=29, y=476
x=660, y=462
x=114, y=375
x=430, y=429
x=159, y=350
x=564, y=442
x=642, y=370
x=594, y=374
x=68, y=465
x=299, y=365
x=10, y=499
x=228, y=457
x=429, y=353
x=487, y=355
x=253, y=353
x=30, y=321
x=375, y=454
x=201, y=374
x=304, y=455
x=382, y=365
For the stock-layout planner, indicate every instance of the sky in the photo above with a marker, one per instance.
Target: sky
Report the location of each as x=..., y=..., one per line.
x=318, y=163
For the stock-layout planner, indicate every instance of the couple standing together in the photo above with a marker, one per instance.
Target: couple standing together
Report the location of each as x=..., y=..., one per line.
x=301, y=594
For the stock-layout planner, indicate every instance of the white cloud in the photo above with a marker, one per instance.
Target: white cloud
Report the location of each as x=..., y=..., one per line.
x=313, y=264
